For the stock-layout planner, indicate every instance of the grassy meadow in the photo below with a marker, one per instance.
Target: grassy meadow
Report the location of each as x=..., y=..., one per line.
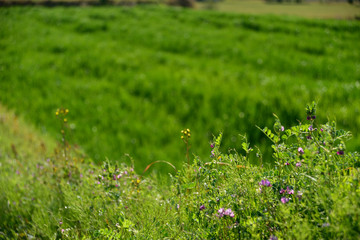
x=133, y=77
x=311, y=192
x=90, y=96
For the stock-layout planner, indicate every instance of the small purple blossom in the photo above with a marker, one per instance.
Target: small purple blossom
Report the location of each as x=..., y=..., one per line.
x=311, y=128
x=265, y=183
x=119, y=176
x=308, y=137
x=62, y=230
x=202, y=207
x=289, y=191
x=284, y=200
x=221, y=212
x=321, y=129
x=287, y=164
x=340, y=152
x=273, y=237
x=282, y=191
x=212, y=145
x=325, y=225
x=313, y=117
x=125, y=172
x=228, y=212
x=60, y=222
x=308, y=117
x=114, y=177
x=298, y=164
x=300, y=150
x=282, y=128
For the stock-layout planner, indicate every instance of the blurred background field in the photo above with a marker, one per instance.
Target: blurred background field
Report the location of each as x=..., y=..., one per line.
x=307, y=9
x=133, y=77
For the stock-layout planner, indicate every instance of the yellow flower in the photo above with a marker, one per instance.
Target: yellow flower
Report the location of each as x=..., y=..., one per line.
x=65, y=120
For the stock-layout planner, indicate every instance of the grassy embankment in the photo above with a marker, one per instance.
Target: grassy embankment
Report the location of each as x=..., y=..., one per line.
x=133, y=77
x=313, y=192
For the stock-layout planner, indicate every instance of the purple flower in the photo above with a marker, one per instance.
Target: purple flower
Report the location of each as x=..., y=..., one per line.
x=282, y=191
x=284, y=200
x=125, y=172
x=311, y=128
x=60, y=222
x=325, y=225
x=62, y=230
x=289, y=191
x=308, y=137
x=272, y=237
x=265, y=183
x=114, y=177
x=202, y=207
x=212, y=145
x=298, y=164
x=308, y=117
x=282, y=128
x=300, y=150
x=313, y=117
x=119, y=176
x=321, y=129
x=221, y=212
x=287, y=164
x=228, y=212
x=340, y=152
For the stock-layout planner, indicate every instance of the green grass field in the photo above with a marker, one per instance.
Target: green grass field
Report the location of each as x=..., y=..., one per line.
x=132, y=78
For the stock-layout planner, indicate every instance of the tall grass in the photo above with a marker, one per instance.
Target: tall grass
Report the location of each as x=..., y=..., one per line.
x=312, y=192
x=132, y=77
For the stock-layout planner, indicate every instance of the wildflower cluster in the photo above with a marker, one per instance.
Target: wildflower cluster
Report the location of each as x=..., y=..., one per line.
x=185, y=137
x=310, y=190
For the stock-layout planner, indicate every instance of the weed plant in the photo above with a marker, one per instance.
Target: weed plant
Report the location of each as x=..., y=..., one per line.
x=312, y=192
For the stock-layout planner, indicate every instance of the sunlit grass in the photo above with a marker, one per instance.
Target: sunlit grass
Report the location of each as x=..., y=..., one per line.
x=132, y=77
x=313, y=10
